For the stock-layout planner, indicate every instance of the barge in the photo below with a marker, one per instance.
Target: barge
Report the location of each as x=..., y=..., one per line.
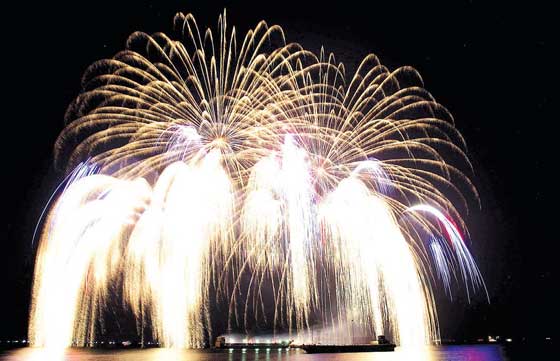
x=381, y=345
x=221, y=344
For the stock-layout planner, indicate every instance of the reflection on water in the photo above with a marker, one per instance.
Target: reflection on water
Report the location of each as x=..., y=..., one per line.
x=441, y=353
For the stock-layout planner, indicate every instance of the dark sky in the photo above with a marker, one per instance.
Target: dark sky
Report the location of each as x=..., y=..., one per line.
x=489, y=63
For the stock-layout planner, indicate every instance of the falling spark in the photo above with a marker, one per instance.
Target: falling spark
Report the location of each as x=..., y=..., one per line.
x=467, y=266
x=441, y=264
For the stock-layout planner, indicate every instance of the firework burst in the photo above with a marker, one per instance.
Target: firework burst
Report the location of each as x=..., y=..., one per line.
x=205, y=168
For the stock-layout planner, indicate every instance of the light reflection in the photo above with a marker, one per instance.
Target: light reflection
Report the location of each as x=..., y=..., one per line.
x=166, y=354
x=429, y=353
x=421, y=353
x=42, y=354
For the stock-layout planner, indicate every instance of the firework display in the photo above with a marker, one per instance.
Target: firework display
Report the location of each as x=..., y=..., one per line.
x=206, y=170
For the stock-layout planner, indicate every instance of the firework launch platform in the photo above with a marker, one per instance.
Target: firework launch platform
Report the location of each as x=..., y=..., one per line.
x=381, y=345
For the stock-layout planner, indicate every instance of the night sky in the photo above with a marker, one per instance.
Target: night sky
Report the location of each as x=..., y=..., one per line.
x=489, y=64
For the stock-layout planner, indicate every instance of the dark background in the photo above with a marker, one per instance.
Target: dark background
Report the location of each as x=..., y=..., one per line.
x=489, y=63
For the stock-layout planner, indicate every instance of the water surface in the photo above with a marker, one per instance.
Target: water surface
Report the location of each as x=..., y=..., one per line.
x=439, y=353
